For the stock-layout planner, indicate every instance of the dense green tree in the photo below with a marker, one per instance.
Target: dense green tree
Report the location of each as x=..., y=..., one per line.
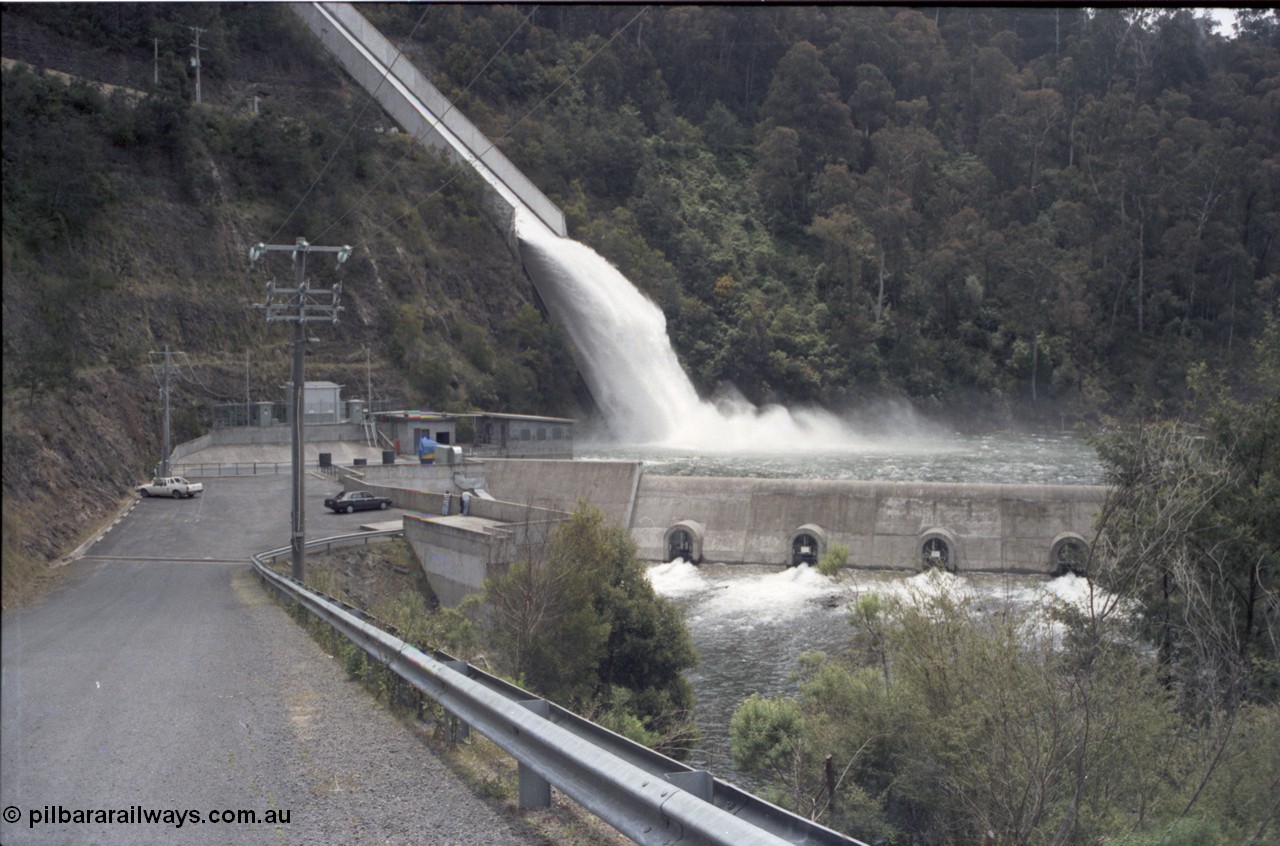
x=1123, y=139
x=947, y=723
x=1138, y=716
x=577, y=620
x=1192, y=533
x=996, y=204
x=803, y=95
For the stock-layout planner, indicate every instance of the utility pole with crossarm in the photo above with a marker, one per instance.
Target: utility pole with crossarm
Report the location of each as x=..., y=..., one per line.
x=299, y=305
x=195, y=60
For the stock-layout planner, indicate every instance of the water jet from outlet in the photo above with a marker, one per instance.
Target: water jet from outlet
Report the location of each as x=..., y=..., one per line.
x=625, y=356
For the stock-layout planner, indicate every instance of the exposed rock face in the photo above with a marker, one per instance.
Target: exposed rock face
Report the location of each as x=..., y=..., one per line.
x=163, y=260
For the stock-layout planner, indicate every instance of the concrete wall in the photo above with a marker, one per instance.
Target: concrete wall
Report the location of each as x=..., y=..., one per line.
x=608, y=485
x=436, y=478
x=186, y=448
x=425, y=492
x=283, y=434
x=753, y=521
x=456, y=560
x=458, y=554
x=316, y=433
x=1008, y=528
x=1003, y=528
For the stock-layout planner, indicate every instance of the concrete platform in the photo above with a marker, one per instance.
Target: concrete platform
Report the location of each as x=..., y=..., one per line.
x=466, y=524
x=383, y=526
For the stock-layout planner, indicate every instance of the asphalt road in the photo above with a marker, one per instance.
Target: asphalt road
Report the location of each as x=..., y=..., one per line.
x=160, y=677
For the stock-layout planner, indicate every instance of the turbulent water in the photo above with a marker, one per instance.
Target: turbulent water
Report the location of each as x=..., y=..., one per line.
x=620, y=339
x=750, y=624
x=1044, y=459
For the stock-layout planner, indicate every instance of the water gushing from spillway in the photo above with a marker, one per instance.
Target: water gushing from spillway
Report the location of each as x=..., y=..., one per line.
x=628, y=363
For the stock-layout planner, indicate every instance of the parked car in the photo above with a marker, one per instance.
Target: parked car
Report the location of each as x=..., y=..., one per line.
x=356, y=501
x=174, y=486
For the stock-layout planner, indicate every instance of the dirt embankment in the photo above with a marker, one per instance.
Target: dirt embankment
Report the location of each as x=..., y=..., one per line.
x=369, y=577
x=70, y=462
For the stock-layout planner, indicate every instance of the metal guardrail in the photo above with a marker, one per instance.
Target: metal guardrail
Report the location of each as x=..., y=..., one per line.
x=327, y=544
x=254, y=468
x=231, y=468
x=647, y=796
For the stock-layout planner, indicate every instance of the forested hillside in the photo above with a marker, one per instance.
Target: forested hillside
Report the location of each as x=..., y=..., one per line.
x=1003, y=215
x=1019, y=207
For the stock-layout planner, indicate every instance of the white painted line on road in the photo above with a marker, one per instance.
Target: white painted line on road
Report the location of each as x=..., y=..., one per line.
x=80, y=550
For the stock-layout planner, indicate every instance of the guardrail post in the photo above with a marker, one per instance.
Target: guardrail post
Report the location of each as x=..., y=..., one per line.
x=456, y=729
x=535, y=791
x=697, y=782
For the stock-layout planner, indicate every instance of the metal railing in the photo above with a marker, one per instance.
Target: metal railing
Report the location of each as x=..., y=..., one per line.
x=231, y=468
x=647, y=796
x=264, y=559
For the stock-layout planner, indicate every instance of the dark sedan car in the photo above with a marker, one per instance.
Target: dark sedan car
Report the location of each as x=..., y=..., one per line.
x=356, y=501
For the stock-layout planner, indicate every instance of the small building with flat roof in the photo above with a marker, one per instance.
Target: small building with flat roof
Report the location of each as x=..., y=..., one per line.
x=407, y=428
x=490, y=434
x=521, y=436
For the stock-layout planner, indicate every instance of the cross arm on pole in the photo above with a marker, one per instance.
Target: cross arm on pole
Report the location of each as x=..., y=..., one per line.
x=257, y=250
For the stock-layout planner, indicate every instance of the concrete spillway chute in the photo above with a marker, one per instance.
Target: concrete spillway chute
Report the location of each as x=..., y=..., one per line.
x=423, y=111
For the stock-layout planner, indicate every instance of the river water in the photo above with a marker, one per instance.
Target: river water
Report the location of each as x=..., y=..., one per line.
x=750, y=624
x=1041, y=459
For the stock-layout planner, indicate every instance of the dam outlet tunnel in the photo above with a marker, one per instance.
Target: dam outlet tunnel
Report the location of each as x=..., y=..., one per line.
x=807, y=545
x=1069, y=553
x=938, y=548
x=684, y=540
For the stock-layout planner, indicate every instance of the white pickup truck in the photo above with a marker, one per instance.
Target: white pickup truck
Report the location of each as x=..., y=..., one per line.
x=174, y=486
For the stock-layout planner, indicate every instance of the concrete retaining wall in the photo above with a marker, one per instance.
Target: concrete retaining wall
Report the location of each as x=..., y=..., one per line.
x=458, y=553
x=435, y=478
x=315, y=433
x=267, y=436
x=610, y=486
x=1001, y=528
x=182, y=450
x=1011, y=528
x=456, y=560
x=423, y=488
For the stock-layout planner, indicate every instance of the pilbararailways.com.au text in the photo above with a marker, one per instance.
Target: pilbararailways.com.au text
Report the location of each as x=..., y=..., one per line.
x=139, y=815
